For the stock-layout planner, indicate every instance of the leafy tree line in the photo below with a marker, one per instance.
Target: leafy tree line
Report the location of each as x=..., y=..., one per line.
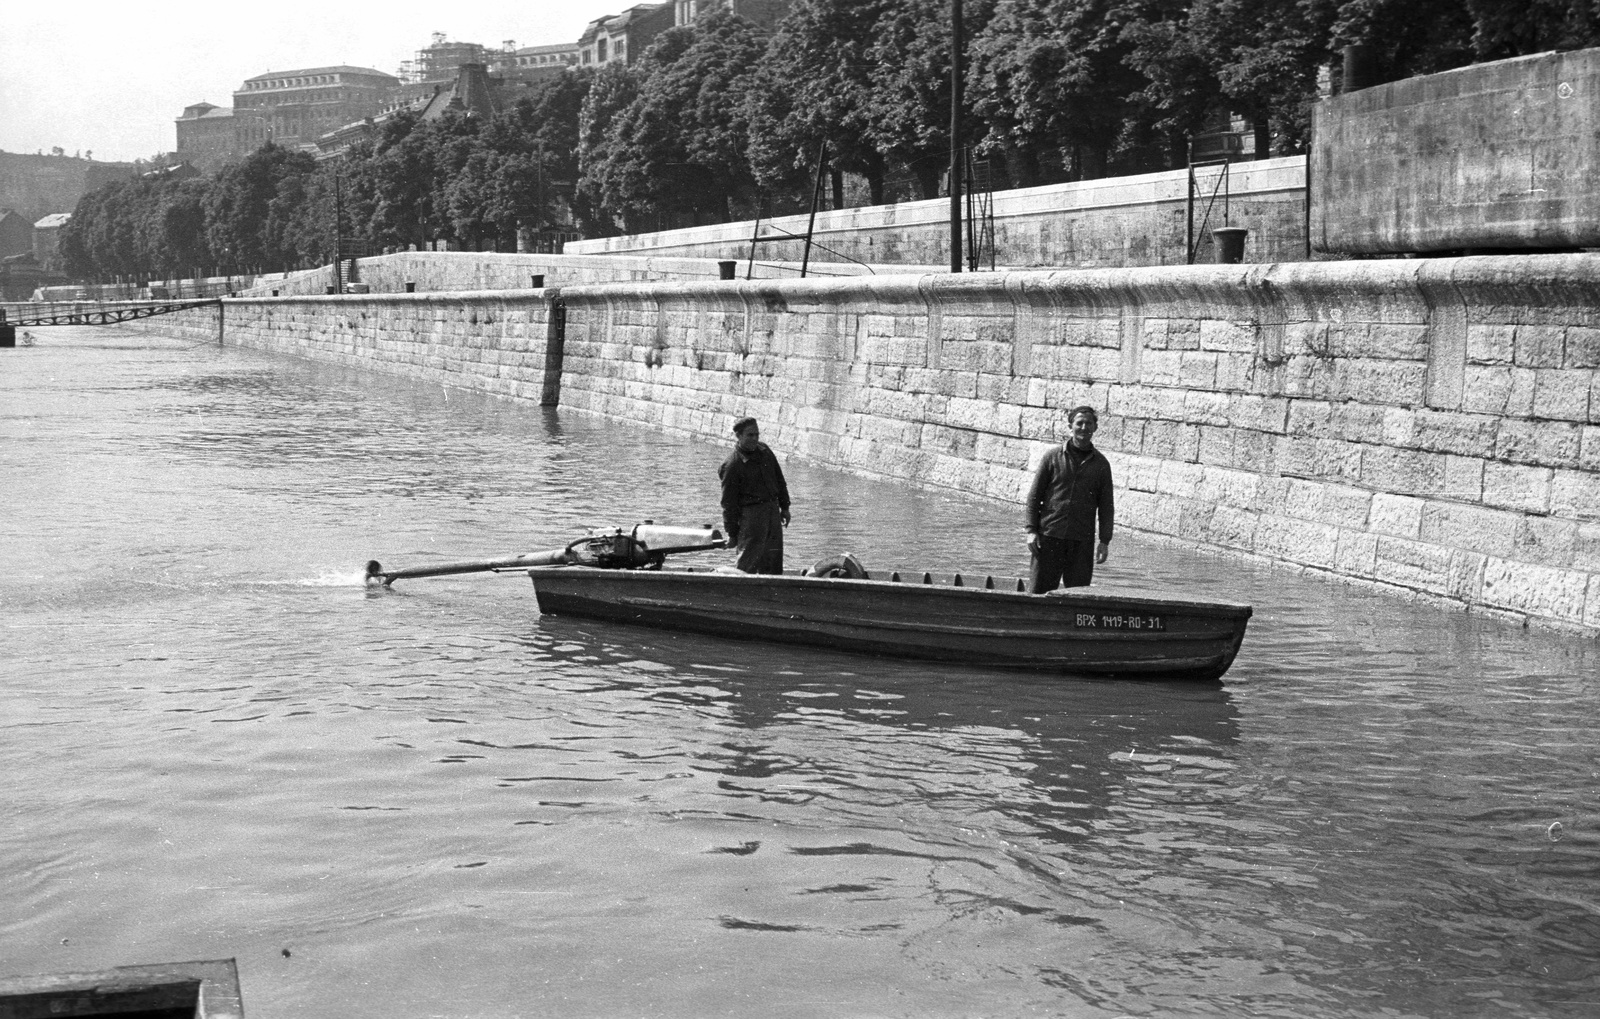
x=718, y=121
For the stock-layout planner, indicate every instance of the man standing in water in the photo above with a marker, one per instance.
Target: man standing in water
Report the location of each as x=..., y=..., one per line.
x=1071, y=488
x=755, y=501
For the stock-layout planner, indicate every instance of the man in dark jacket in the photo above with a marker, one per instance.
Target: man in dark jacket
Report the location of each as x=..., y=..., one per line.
x=1072, y=488
x=755, y=501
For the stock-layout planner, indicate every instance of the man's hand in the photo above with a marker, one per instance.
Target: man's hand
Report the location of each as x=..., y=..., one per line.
x=1101, y=551
x=784, y=515
x=1033, y=541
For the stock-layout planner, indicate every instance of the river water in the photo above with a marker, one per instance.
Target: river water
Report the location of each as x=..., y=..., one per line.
x=431, y=802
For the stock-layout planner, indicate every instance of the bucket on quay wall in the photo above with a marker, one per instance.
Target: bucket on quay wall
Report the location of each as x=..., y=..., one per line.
x=538, y=281
x=725, y=269
x=8, y=336
x=1230, y=244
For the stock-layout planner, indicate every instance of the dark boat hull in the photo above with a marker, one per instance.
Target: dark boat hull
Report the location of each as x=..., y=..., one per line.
x=1084, y=631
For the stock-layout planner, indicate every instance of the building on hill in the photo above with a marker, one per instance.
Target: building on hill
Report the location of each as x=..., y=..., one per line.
x=623, y=38
x=206, y=136
x=46, y=240
x=472, y=92
x=532, y=64
x=16, y=233
x=764, y=13
x=295, y=108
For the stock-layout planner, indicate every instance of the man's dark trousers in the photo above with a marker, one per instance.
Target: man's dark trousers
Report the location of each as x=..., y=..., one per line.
x=760, y=538
x=1060, y=561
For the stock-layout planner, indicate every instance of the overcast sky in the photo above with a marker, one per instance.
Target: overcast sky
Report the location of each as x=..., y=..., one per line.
x=110, y=77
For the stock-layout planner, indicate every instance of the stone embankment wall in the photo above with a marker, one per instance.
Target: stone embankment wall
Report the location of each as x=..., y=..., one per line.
x=1428, y=426
x=454, y=271
x=1114, y=222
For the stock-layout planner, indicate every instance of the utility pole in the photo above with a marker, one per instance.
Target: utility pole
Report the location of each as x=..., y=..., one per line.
x=955, y=135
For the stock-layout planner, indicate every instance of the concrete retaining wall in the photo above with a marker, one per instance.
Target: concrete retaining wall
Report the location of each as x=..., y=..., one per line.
x=1429, y=426
x=1117, y=221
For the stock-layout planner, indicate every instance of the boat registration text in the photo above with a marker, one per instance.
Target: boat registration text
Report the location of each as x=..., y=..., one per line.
x=1108, y=621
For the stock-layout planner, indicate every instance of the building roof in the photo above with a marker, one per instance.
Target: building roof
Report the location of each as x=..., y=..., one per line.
x=205, y=111
x=301, y=72
x=53, y=220
x=559, y=47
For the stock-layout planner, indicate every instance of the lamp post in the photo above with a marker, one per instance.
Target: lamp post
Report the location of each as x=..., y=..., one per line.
x=955, y=135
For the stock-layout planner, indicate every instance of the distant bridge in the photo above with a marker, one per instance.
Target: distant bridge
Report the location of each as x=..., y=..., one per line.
x=90, y=313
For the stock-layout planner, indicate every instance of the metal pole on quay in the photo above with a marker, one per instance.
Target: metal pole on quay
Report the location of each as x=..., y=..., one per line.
x=955, y=135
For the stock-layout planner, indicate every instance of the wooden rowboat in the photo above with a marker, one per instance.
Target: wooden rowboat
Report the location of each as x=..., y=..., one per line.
x=1101, y=632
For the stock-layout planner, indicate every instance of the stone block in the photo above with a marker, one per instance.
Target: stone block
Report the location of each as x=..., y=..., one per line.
x=1261, y=413
x=1138, y=473
x=1591, y=604
x=1586, y=548
x=1575, y=495
x=1398, y=516
x=1442, y=431
x=1255, y=451
x=1541, y=443
x=1498, y=390
x=1179, y=480
x=1334, y=504
x=1309, y=377
x=1147, y=511
x=1562, y=394
x=1232, y=527
x=1397, y=340
x=1517, y=487
x=1401, y=471
x=1216, y=445
x=1589, y=451
x=1356, y=553
x=1310, y=417
x=1228, y=487
x=1540, y=346
x=1543, y=591
x=1374, y=381
x=1399, y=427
x=1203, y=408
x=1463, y=478
x=1417, y=565
x=1306, y=542
x=1221, y=335
x=1161, y=368
x=1545, y=541
x=1582, y=348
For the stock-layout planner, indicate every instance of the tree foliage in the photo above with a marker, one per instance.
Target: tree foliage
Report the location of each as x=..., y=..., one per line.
x=718, y=120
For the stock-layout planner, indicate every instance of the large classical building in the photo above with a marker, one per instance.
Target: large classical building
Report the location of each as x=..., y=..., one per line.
x=535, y=63
x=623, y=38
x=295, y=108
x=205, y=136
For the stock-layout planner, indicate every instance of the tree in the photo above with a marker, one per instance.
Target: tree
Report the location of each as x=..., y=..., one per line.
x=1268, y=54
x=612, y=91
x=680, y=146
x=815, y=87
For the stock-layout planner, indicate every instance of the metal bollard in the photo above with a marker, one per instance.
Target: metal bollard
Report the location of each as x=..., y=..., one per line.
x=538, y=281
x=411, y=286
x=1230, y=244
x=725, y=268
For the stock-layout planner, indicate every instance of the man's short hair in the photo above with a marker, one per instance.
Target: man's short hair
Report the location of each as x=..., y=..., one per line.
x=741, y=424
x=1085, y=409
